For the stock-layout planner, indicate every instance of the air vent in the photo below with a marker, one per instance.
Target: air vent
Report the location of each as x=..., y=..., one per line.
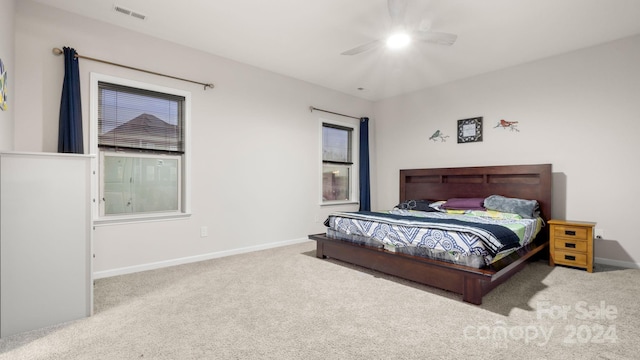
x=132, y=13
x=138, y=15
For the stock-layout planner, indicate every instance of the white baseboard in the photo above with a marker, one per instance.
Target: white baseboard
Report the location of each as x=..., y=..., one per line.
x=215, y=255
x=192, y=259
x=623, y=264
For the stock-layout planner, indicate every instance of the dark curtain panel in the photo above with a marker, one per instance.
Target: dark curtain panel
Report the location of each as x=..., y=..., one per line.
x=365, y=187
x=70, y=126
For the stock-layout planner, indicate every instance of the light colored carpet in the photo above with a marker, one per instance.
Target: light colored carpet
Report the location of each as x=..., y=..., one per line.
x=284, y=303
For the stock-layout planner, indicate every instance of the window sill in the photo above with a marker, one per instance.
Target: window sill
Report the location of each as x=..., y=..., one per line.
x=334, y=203
x=117, y=220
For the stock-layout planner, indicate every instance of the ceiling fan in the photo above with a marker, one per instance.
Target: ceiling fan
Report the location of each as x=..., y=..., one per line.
x=401, y=36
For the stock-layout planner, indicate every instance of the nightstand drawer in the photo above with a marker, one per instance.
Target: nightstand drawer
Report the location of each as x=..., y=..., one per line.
x=570, y=258
x=571, y=245
x=570, y=232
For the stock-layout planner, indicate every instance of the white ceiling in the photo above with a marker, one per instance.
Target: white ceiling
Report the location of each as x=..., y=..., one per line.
x=303, y=39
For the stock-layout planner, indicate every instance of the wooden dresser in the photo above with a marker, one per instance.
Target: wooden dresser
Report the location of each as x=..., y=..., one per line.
x=571, y=243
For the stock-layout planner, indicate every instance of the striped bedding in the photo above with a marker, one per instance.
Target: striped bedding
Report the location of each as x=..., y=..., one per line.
x=467, y=239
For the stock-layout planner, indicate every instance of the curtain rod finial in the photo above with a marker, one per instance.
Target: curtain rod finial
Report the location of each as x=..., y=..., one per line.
x=57, y=51
x=310, y=108
x=208, y=85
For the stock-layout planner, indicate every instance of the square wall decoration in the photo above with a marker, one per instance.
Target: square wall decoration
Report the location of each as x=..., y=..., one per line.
x=470, y=130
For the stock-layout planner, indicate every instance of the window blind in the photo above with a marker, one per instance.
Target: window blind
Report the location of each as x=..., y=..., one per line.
x=141, y=120
x=336, y=144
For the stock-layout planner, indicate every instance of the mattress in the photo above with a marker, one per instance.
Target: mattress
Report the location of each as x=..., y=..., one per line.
x=474, y=239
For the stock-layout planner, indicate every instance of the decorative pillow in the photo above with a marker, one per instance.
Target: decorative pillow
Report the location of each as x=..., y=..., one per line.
x=528, y=209
x=458, y=212
x=437, y=205
x=493, y=214
x=419, y=205
x=464, y=204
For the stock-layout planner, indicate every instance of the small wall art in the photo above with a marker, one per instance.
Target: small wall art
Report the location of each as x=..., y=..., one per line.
x=438, y=135
x=3, y=87
x=511, y=125
x=470, y=130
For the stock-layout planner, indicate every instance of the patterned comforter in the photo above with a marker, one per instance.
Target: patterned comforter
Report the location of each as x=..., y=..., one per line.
x=457, y=235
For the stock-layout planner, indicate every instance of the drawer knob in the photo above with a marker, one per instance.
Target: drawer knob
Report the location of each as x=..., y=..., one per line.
x=570, y=245
x=570, y=257
x=570, y=232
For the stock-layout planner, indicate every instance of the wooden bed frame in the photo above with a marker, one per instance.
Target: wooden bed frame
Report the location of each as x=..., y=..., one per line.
x=517, y=181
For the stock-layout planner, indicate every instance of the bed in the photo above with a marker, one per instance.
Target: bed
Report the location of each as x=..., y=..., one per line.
x=513, y=181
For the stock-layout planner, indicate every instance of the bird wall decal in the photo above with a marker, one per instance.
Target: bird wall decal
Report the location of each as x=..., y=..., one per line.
x=438, y=135
x=504, y=124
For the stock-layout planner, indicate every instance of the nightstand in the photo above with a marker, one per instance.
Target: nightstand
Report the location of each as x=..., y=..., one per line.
x=571, y=243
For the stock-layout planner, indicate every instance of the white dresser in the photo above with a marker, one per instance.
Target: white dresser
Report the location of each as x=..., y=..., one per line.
x=45, y=240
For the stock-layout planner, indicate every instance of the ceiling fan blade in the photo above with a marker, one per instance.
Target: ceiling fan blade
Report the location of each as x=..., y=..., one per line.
x=362, y=48
x=435, y=37
x=397, y=9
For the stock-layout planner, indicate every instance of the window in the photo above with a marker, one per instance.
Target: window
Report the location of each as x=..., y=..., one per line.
x=141, y=137
x=139, y=183
x=337, y=163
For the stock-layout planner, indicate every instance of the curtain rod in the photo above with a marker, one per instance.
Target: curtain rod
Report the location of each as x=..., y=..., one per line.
x=58, y=52
x=311, y=108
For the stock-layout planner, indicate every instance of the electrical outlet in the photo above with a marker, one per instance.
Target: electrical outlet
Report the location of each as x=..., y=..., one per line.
x=204, y=232
x=599, y=233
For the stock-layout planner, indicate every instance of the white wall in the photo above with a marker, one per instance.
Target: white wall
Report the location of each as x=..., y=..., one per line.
x=579, y=111
x=7, y=56
x=255, y=143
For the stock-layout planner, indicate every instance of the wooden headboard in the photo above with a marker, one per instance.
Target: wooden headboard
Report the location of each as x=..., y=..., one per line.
x=531, y=182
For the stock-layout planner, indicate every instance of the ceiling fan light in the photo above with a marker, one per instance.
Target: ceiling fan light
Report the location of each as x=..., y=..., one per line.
x=398, y=40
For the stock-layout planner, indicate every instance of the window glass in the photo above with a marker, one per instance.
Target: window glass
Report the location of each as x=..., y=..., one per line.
x=335, y=183
x=140, y=184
